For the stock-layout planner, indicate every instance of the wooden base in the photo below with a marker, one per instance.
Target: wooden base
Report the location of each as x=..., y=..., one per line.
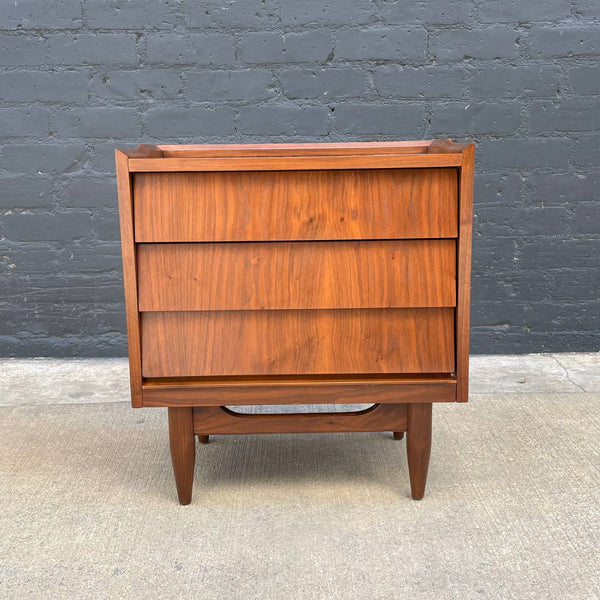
x=183, y=450
x=187, y=422
x=221, y=420
x=298, y=389
x=418, y=447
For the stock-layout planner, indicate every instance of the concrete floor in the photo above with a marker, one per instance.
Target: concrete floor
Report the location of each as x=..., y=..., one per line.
x=106, y=380
x=511, y=509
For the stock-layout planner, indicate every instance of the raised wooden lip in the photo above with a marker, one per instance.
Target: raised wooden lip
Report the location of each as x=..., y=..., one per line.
x=441, y=146
x=301, y=156
x=366, y=379
x=294, y=163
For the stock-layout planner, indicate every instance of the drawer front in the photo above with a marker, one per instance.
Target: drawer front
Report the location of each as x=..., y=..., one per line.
x=295, y=205
x=205, y=343
x=297, y=275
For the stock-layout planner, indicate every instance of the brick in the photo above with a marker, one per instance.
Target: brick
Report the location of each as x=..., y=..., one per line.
x=103, y=321
x=102, y=153
x=509, y=82
x=29, y=86
x=492, y=72
x=420, y=82
x=588, y=9
x=40, y=14
x=575, y=285
x=44, y=158
x=548, y=220
x=24, y=259
x=272, y=47
x=469, y=118
x=559, y=283
x=26, y=345
x=587, y=218
x=23, y=50
x=543, y=254
x=168, y=122
x=20, y=122
x=586, y=149
x=68, y=317
x=85, y=192
x=382, y=44
x=327, y=12
x=493, y=254
x=557, y=317
x=106, y=224
x=35, y=227
x=499, y=220
x=493, y=285
x=194, y=49
x=561, y=188
x=94, y=257
x=431, y=12
x=585, y=79
x=492, y=188
x=323, y=83
x=283, y=120
x=549, y=42
x=484, y=44
x=93, y=49
x=75, y=289
x=515, y=11
x=399, y=120
x=567, y=115
x=242, y=14
x=138, y=85
x=253, y=84
x=142, y=14
x=498, y=314
x=98, y=122
x=529, y=153
x=489, y=342
x=25, y=191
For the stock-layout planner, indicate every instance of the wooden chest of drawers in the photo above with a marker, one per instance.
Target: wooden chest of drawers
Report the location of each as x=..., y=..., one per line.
x=297, y=273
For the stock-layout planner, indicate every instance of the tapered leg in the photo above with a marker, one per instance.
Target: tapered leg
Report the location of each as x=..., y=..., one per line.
x=418, y=446
x=183, y=450
x=203, y=439
x=398, y=435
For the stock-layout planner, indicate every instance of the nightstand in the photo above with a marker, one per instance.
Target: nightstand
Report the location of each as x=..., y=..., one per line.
x=298, y=274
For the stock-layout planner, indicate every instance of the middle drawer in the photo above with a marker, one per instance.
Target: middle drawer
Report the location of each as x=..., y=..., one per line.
x=296, y=275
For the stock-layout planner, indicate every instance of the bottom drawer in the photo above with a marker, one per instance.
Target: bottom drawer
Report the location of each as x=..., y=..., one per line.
x=294, y=342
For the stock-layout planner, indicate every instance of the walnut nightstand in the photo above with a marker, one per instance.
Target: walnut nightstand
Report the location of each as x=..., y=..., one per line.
x=298, y=274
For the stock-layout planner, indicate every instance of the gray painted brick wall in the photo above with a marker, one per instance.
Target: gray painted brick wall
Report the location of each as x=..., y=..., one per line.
x=81, y=77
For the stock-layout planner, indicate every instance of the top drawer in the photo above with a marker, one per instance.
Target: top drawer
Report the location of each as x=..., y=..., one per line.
x=295, y=205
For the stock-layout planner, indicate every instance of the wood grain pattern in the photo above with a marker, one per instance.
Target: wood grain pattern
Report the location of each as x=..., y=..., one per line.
x=295, y=163
x=325, y=273
x=183, y=450
x=297, y=391
x=418, y=447
x=463, y=311
x=296, y=275
x=219, y=420
x=296, y=149
x=188, y=344
x=129, y=277
x=303, y=205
